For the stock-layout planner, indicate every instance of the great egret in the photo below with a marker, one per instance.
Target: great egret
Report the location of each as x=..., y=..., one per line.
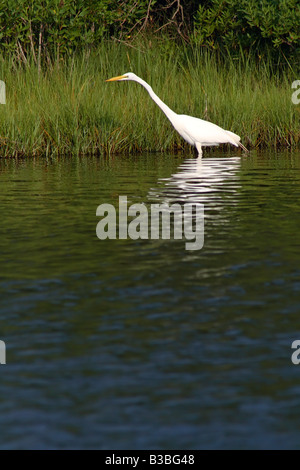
x=195, y=131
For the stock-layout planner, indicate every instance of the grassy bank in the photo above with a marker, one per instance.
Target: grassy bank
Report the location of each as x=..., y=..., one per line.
x=68, y=107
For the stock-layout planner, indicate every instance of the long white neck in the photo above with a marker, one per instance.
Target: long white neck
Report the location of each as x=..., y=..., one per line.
x=168, y=112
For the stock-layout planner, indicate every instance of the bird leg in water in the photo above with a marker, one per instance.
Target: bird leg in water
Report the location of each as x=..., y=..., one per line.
x=243, y=147
x=199, y=148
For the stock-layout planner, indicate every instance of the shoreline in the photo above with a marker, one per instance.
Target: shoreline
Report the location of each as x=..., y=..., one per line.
x=69, y=108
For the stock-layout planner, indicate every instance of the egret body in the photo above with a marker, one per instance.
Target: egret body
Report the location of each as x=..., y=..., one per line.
x=195, y=131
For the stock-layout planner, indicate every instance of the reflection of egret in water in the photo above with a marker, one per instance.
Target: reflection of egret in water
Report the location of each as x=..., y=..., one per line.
x=209, y=181
x=213, y=182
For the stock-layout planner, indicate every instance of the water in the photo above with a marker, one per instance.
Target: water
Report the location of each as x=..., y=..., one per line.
x=124, y=344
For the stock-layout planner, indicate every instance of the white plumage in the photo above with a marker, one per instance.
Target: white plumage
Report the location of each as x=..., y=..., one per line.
x=195, y=131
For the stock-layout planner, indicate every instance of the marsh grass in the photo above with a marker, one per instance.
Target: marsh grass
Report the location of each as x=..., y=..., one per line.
x=67, y=107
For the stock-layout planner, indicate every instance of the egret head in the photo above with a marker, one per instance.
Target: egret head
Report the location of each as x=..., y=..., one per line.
x=126, y=76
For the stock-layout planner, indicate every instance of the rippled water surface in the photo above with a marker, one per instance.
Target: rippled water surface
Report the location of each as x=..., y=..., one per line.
x=142, y=344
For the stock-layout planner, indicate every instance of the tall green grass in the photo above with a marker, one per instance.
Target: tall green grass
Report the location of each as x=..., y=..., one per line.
x=67, y=107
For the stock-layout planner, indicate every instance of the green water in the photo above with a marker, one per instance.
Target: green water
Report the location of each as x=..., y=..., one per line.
x=141, y=344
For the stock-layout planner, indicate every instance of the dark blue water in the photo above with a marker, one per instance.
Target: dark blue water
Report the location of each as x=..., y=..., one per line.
x=141, y=344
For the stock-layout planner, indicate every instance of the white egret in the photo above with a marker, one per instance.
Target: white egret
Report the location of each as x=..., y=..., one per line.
x=195, y=131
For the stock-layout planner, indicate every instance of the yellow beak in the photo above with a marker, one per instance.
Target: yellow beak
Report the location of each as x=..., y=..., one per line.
x=115, y=78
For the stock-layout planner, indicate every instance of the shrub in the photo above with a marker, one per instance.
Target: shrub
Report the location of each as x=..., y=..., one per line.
x=264, y=26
